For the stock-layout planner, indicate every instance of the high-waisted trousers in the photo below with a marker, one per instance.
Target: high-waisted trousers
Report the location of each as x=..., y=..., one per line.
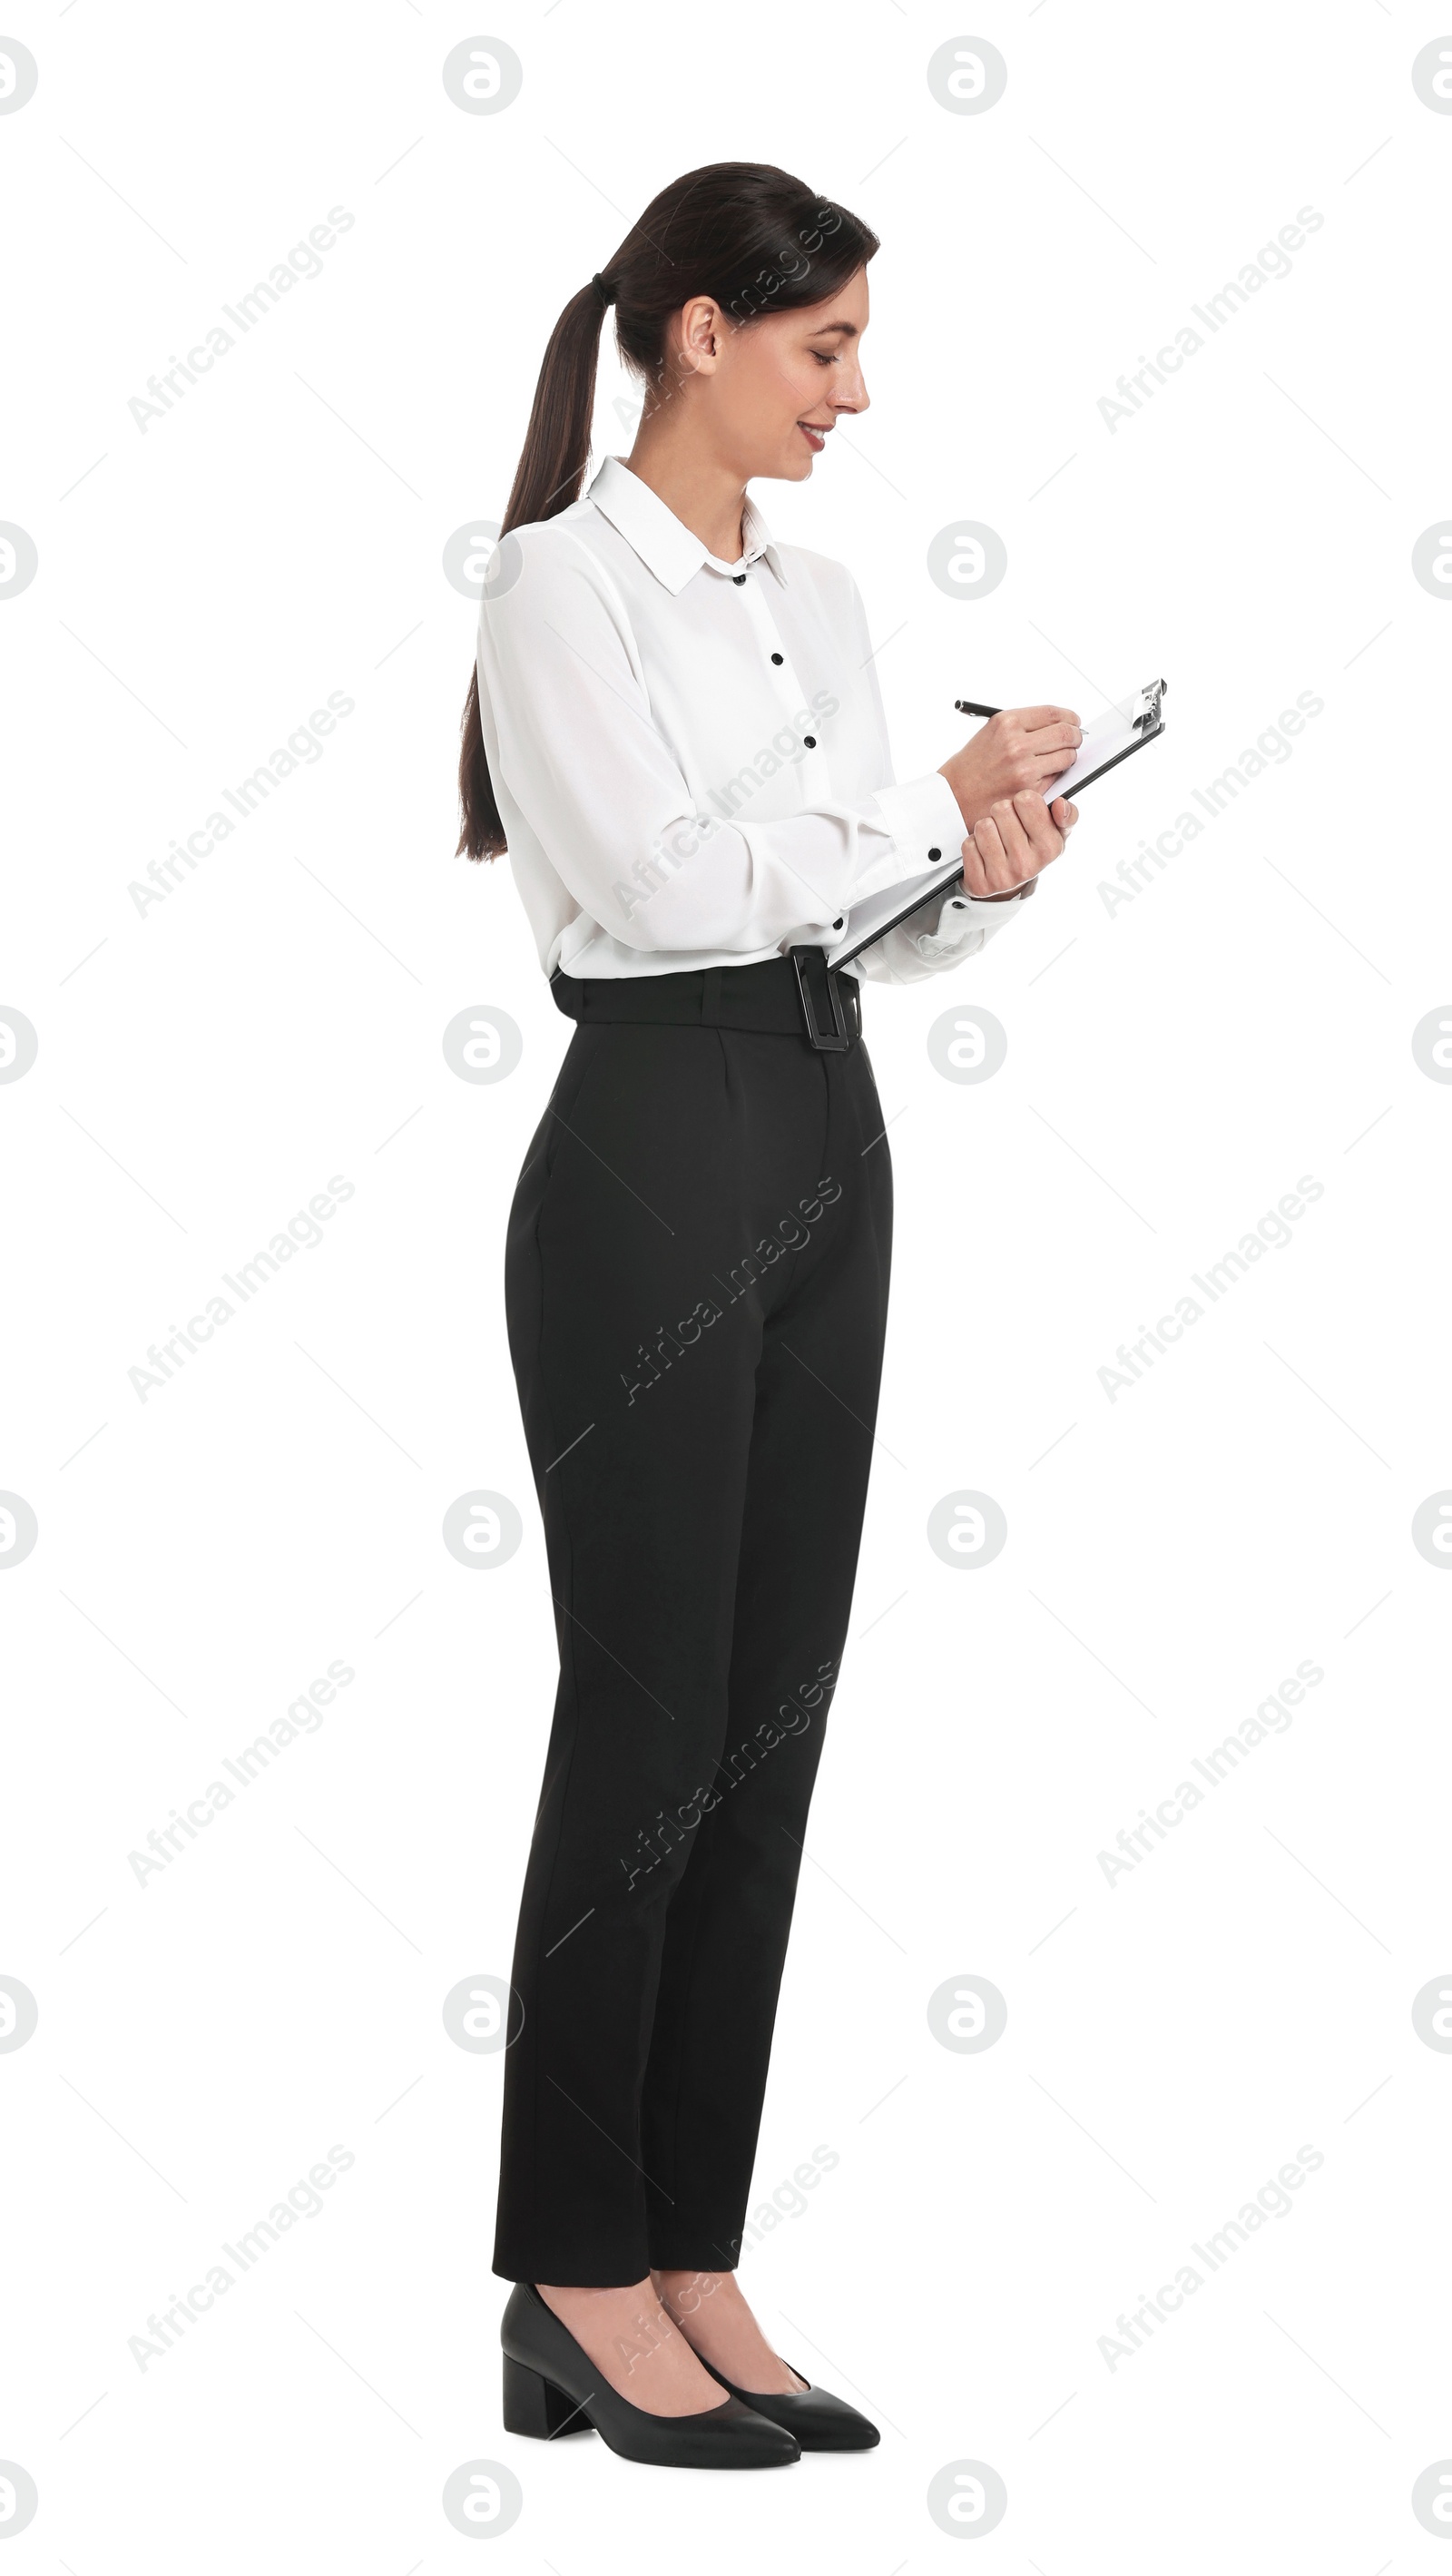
x=696, y=1292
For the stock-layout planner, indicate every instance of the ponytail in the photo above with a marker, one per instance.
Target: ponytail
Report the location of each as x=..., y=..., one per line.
x=751, y=236
x=547, y=479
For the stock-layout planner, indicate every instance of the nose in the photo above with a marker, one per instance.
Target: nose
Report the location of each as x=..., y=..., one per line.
x=850, y=393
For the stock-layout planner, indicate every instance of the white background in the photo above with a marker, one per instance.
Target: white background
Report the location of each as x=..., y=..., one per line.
x=1174, y=1066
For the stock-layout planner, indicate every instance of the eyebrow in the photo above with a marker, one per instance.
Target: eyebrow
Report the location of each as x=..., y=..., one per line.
x=848, y=329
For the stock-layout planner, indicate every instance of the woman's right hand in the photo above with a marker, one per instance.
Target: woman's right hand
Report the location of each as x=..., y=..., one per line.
x=1019, y=747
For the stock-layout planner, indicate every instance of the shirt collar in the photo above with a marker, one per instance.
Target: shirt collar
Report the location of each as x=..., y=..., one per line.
x=664, y=544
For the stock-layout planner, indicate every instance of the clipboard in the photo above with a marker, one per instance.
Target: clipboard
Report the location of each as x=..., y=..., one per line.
x=1126, y=725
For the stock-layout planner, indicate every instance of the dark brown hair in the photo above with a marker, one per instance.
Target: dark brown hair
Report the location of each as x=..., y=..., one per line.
x=755, y=239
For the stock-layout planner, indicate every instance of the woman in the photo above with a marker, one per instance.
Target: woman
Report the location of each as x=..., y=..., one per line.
x=675, y=728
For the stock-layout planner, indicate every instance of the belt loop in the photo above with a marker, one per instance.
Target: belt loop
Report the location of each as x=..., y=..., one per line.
x=806, y=960
x=710, y=997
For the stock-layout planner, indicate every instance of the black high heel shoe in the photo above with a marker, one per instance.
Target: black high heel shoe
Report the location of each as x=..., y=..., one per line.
x=817, y=2420
x=552, y=2387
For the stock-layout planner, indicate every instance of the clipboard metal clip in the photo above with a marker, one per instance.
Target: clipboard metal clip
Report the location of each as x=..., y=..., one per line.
x=1144, y=710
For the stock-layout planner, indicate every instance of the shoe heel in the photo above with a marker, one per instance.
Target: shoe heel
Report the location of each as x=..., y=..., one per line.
x=535, y=2407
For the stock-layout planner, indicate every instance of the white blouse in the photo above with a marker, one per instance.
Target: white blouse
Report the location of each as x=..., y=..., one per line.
x=690, y=756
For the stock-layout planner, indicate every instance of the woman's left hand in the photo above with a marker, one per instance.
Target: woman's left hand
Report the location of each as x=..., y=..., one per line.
x=1013, y=841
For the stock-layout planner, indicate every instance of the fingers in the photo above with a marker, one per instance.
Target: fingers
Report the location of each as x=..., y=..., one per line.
x=1046, y=740
x=1041, y=719
x=1011, y=843
x=990, y=863
x=985, y=869
x=1041, y=835
x=1057, y=746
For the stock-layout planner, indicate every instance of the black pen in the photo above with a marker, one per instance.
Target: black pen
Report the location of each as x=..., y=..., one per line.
x=965, y=707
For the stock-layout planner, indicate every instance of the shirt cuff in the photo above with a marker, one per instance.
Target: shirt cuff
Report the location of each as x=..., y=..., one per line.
x=925, y=820
x=962, y=913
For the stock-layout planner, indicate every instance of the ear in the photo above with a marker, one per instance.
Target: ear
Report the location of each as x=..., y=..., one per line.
x=700, y=331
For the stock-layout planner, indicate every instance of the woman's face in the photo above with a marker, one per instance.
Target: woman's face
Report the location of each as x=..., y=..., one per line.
x=768, y=393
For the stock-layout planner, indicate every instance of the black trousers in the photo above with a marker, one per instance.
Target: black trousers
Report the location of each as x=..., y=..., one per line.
x=696, y=1290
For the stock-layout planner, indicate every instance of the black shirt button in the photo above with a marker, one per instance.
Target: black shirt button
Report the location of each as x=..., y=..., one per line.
x=810, y=740
x=776, y=657
x=738, y=578
x=935, y=854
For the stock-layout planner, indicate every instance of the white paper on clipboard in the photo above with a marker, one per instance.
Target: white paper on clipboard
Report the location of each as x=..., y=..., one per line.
x=1125, y=726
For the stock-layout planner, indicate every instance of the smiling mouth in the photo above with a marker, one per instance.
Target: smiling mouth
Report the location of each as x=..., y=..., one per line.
x=816, y=438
